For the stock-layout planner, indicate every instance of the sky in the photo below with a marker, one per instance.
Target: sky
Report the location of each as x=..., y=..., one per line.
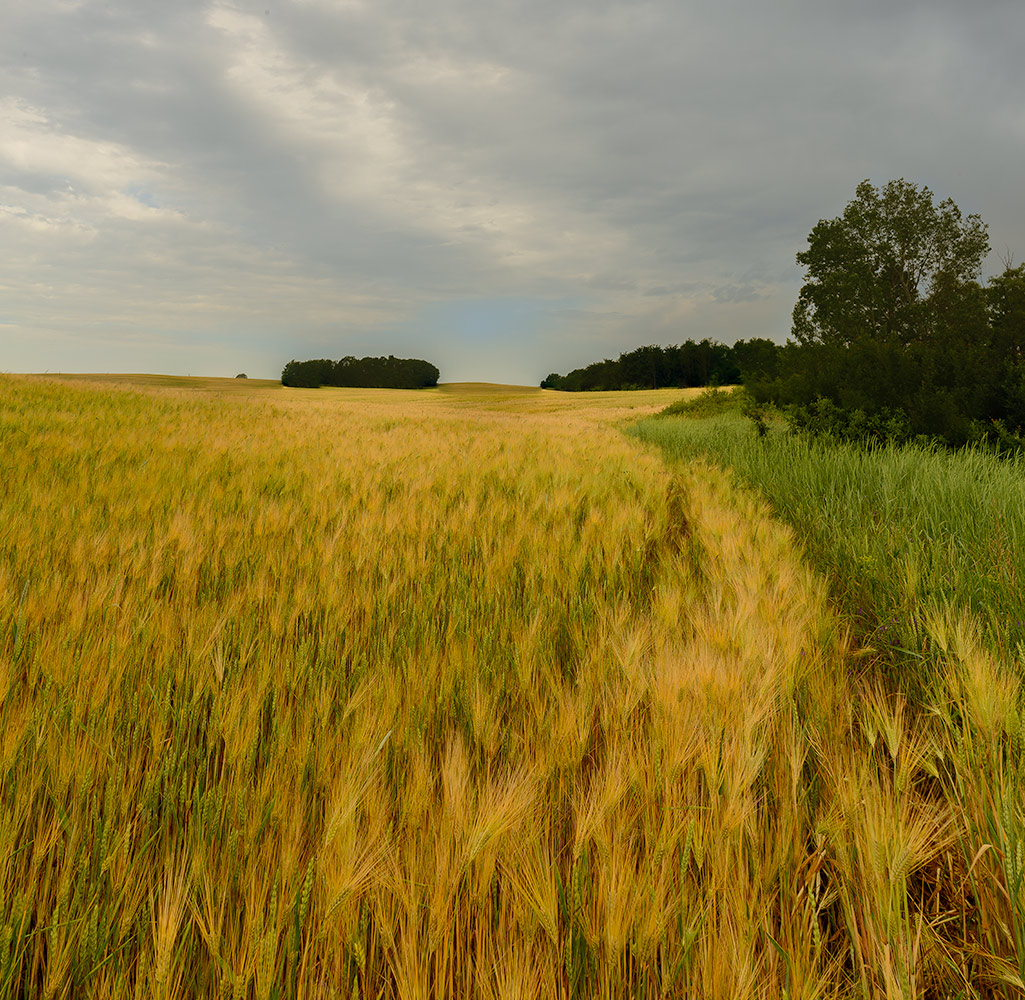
x=506, y=188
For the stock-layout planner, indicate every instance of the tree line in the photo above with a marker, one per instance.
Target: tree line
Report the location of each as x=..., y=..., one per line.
x=366, y=373
x=706, y=362
x=894, y=336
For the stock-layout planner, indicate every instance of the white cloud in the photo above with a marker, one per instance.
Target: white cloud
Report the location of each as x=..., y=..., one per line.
x=32, y=143
x=364, y=146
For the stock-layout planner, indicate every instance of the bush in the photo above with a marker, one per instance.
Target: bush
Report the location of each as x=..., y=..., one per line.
x=711, y=403
x=825, y=419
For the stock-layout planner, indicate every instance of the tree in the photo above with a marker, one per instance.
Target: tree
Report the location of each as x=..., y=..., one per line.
x=1006, y=304
x=757, y=359
x=687, y=364
x=382, y=373
x=307, y=374
x=643, y=368
x=891, y=326
x=869, y=272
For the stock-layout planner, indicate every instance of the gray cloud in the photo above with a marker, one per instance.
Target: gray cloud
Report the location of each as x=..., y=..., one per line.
x=207, y=185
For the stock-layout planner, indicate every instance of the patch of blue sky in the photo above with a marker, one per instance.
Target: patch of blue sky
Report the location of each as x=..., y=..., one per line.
x=143, y=195
x=485, y=320
x=485, y=338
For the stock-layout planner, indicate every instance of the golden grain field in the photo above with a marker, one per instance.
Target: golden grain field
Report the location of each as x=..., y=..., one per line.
x=458, y=693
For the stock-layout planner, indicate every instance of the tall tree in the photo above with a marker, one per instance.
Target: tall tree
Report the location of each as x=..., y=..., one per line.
x=869, y=272
x=891, y=320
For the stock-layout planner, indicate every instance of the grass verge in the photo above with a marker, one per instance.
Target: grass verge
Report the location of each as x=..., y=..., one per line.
x=903, y=531
x=926, y=552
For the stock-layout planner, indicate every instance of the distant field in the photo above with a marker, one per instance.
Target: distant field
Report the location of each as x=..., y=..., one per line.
x=165, y=381
x=450, y=693
x=487, y=394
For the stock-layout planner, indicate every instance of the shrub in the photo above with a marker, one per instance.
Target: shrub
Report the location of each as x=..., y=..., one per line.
x=711, y=403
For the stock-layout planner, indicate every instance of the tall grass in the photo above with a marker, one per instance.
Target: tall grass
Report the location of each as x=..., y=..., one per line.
x=902, y=530
x=926, y=553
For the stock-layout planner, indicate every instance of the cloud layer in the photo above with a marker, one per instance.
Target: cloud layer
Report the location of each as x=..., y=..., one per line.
x=504, y=188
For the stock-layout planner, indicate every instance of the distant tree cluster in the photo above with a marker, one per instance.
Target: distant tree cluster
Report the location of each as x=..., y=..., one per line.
x=688, y=364
x=367, y=373
x=894, y=337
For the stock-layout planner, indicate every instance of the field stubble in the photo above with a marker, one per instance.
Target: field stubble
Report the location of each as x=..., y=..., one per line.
x=453, y=694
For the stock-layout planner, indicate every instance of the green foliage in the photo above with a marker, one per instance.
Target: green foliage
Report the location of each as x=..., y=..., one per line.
x=367, y=373
x=825, y=419
x=894, y=338
x=710, y=403
x=1006, y=304
x=756, y=412
x=869, y=272
x=715, y=402
x=686, y=365
x=307, y=374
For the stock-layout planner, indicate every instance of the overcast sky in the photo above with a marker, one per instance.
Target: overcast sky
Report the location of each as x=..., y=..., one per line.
x=503, y=187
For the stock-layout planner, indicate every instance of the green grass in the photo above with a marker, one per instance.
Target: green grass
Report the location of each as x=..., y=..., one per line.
x=903, y=531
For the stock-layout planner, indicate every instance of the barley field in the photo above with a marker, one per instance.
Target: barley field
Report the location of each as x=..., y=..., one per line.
x=460, y=693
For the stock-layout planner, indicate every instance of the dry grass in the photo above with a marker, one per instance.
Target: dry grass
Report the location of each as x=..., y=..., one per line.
x=448, y=694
